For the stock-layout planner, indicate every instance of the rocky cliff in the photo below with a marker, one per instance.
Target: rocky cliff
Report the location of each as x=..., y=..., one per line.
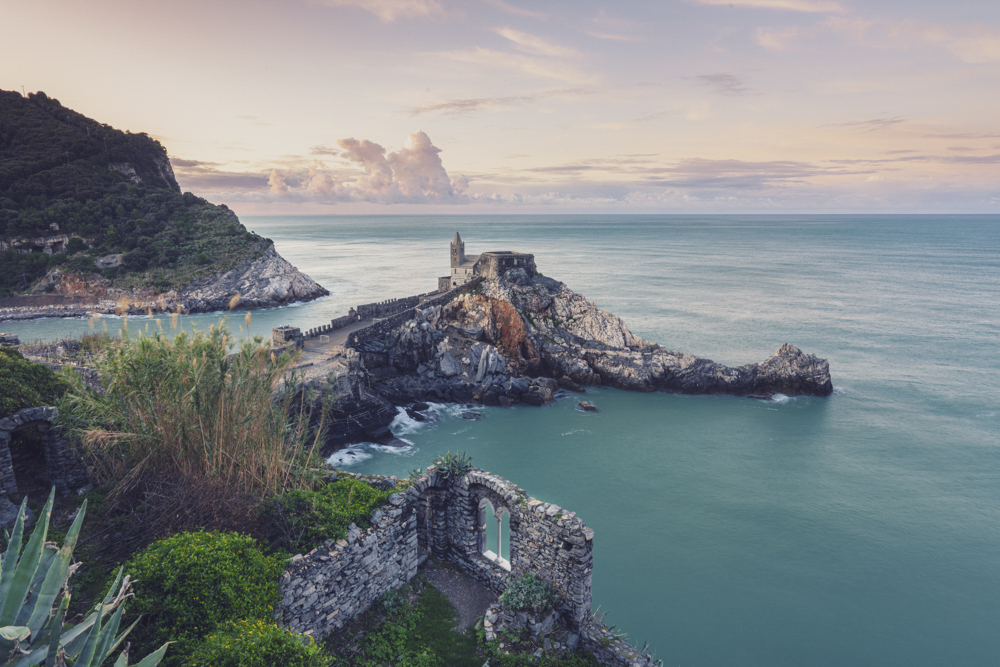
x=269, y=280
x=519, y=338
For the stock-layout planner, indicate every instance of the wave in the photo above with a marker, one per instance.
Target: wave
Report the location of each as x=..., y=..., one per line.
x=362, y=451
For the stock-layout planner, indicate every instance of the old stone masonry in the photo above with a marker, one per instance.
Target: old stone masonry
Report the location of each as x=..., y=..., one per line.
x=65, y=469
x=450, y=519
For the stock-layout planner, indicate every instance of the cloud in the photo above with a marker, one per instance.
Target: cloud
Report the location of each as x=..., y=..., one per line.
x=544, y=67
x=973, y=44
x=536, y=45
x=459, y=107
x=390, y=10
x=613, y=36
x=811, y=6
x=724, y=84
x=469, y=105
x=197, y=175
x=414, y=175
x=870, y=125
x=510, y=9
x=323, y=150
x=277, y=182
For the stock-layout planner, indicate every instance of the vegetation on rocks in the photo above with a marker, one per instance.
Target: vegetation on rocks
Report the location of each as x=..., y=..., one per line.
x=301, y=519
x=189, y=585
x=24, y=384
x=528, y=592
x=116, y=190
x=256, y=643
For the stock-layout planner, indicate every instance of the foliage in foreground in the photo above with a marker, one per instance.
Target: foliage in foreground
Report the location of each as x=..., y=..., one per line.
x=528, y=592
x=184, y=407
x=189, y=585
x=31, y=584
x=256, y=643
x=24, y=384
x=301, y=519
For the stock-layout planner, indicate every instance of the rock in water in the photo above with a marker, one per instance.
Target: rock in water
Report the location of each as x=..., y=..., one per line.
x=588, y=407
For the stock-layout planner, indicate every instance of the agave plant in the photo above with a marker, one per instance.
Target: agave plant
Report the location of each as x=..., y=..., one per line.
x=452, y=466
x=33, y=604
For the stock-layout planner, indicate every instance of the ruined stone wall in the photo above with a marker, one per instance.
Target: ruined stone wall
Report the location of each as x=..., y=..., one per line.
x=325, y=588
x=370, y=311
x=65, y=468
x=379, y=329
x=492, y=265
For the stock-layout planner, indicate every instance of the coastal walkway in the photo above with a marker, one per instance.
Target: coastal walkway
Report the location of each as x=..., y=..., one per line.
x=338, y=337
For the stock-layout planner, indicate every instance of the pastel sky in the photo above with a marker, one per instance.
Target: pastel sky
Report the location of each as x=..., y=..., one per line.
x=508, y=106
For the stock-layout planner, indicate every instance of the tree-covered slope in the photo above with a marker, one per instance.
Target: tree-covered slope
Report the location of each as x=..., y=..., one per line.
x=113, y=189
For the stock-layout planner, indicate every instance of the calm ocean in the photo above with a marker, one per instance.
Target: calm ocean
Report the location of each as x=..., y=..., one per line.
x=859, y=529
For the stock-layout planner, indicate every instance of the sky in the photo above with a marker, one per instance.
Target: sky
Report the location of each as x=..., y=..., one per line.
x=511, y=106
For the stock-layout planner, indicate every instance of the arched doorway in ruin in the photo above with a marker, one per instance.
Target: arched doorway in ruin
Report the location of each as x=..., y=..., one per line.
x=35, y=455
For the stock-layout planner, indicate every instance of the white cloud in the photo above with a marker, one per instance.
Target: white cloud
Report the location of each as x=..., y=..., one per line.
x=414, y=174
x=510, y=9
x=544, y=67
x=812, y=6
x=390, y=10
x=536, y=45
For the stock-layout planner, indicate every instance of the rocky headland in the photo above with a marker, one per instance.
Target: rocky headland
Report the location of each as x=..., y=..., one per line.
x=521, y=339
x=269, y=280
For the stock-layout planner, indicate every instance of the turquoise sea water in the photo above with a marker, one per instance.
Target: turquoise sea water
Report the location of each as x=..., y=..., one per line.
x=859, y=529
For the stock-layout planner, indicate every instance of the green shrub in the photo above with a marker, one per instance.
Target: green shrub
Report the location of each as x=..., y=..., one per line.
x=24, y=384
x=256, y=644
x=528, y=592
x=189, y=585
x=301, y=519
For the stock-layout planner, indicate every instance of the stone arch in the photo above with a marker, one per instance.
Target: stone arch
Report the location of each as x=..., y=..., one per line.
x=66, y=470
x=485, y=527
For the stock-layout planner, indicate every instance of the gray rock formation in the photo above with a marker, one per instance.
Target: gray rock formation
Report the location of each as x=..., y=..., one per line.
x=269, y=280
x=480, y=342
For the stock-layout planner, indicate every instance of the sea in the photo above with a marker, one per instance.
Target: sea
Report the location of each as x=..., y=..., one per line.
x=858, y=529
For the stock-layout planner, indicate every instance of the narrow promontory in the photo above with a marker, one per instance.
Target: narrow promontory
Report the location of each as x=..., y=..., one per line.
x=519, y=338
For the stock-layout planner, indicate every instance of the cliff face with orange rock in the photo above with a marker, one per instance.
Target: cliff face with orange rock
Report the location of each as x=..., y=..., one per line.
x=521, y=339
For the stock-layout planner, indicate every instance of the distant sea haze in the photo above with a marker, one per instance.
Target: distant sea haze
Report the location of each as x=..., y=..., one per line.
x=859, y=529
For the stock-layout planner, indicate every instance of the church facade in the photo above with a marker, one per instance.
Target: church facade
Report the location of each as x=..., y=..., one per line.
x=489, y=265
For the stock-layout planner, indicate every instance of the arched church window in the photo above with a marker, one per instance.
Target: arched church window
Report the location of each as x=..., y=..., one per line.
x=494, y=534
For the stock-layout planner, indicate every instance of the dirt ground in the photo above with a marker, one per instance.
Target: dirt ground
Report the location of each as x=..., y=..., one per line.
x=470, y=598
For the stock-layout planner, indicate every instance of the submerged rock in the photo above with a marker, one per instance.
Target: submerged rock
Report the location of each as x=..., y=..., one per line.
x=587, y=407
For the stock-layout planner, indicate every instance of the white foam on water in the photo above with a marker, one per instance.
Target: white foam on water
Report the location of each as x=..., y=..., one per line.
x=344, y=458
x=840, y=391
x=403, y=424
x=780, y=398
x=362, y=451
x=577, y=431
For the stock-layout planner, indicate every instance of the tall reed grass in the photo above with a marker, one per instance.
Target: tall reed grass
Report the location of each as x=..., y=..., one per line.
x=186, y=407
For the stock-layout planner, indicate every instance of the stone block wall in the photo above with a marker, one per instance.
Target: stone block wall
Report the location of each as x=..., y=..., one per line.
x=65, y=468
x=325, y=588
x=385, y=308
x=492, y=265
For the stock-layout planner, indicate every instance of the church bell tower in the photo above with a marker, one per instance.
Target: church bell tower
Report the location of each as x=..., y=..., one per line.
x=457, y=251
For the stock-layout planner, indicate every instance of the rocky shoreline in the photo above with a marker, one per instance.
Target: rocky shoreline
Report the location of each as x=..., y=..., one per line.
x=267, y=281
x=523, y=339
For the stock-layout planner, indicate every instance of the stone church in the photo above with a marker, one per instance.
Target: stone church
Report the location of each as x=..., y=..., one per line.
x=489, y=265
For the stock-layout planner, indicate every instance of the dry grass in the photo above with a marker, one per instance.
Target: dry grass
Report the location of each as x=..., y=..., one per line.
x=182, y=412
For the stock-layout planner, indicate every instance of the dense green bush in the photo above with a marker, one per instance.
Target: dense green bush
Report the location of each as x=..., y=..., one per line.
x=529, y=592
x=256, y=644
x=300, y=520
x=189, y=585
x=24, y=384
